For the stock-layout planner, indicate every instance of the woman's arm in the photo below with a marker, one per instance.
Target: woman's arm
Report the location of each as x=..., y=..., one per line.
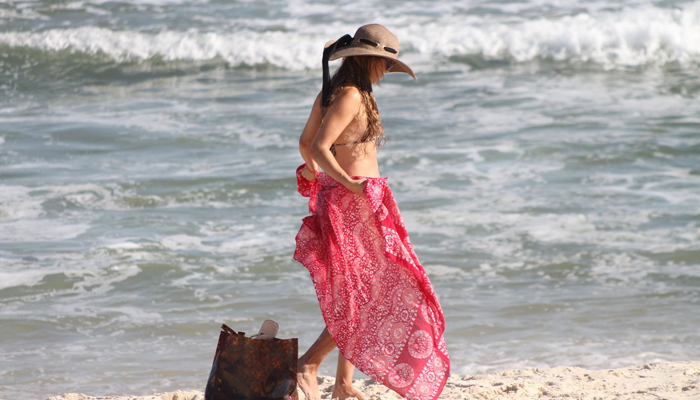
x=307, y=138
x=338, y=116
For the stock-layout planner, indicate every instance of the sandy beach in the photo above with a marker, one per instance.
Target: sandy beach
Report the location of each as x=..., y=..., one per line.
x=669, y=380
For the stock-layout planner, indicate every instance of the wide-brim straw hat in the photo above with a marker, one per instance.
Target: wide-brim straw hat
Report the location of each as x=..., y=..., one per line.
x=372, y=40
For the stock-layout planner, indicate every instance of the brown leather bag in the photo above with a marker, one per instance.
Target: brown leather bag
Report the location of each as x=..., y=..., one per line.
x=253, y=369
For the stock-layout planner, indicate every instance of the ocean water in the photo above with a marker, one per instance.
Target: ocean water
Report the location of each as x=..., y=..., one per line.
x=547, y=163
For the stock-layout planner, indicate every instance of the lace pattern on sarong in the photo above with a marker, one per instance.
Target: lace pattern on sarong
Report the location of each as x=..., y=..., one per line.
x=374, y=295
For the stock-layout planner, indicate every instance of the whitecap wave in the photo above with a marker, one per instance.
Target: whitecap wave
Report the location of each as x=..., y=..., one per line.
x=626, y=38
x=629, y=37
x=244, y=47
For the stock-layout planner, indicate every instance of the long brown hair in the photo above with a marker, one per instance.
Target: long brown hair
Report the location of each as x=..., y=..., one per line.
x=355, y=71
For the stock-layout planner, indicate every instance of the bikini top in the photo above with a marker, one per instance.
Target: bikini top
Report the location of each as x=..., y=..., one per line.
x=350, y=143
x=347, y=144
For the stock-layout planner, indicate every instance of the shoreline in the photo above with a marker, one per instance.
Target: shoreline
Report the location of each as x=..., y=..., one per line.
x=663, y=380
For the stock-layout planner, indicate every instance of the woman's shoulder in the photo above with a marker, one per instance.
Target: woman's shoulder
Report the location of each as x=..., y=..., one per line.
x=349, y=93
x=347, y=99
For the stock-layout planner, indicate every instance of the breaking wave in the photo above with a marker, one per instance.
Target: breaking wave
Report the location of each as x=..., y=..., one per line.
x=630, y=37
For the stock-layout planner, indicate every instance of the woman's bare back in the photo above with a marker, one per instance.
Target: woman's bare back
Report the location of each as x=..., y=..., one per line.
x=356, y=157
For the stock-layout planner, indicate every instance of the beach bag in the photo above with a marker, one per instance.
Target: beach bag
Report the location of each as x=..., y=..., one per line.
x=253, y=369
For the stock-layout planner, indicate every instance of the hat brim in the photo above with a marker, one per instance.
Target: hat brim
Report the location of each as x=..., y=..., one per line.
x=399, y=65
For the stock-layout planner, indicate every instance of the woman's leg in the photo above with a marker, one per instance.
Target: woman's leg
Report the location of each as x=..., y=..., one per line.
x=343, y=388
x=307, y=366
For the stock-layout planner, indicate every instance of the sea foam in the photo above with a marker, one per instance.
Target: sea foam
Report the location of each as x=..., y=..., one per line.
x=628, y=37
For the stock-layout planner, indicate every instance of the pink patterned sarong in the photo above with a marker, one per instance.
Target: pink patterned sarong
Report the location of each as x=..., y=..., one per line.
x=375, y=297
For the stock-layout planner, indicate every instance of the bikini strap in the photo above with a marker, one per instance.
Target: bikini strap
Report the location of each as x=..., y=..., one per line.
x=346, y=144
x=349, y=143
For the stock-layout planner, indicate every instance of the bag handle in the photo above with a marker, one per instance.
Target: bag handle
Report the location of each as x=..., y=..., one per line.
x=228, y=330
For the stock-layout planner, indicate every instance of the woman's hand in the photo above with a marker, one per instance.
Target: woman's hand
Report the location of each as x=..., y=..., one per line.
x=357, y=186
x=307, y=174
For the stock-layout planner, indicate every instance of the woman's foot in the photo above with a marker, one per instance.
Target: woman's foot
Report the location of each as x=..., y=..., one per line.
x=307, y=382
x=342, y=392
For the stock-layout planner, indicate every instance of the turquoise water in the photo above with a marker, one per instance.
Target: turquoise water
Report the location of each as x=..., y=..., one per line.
x=547, y=163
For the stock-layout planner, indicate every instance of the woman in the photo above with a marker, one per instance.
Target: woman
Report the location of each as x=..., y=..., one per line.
x=378, y=304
